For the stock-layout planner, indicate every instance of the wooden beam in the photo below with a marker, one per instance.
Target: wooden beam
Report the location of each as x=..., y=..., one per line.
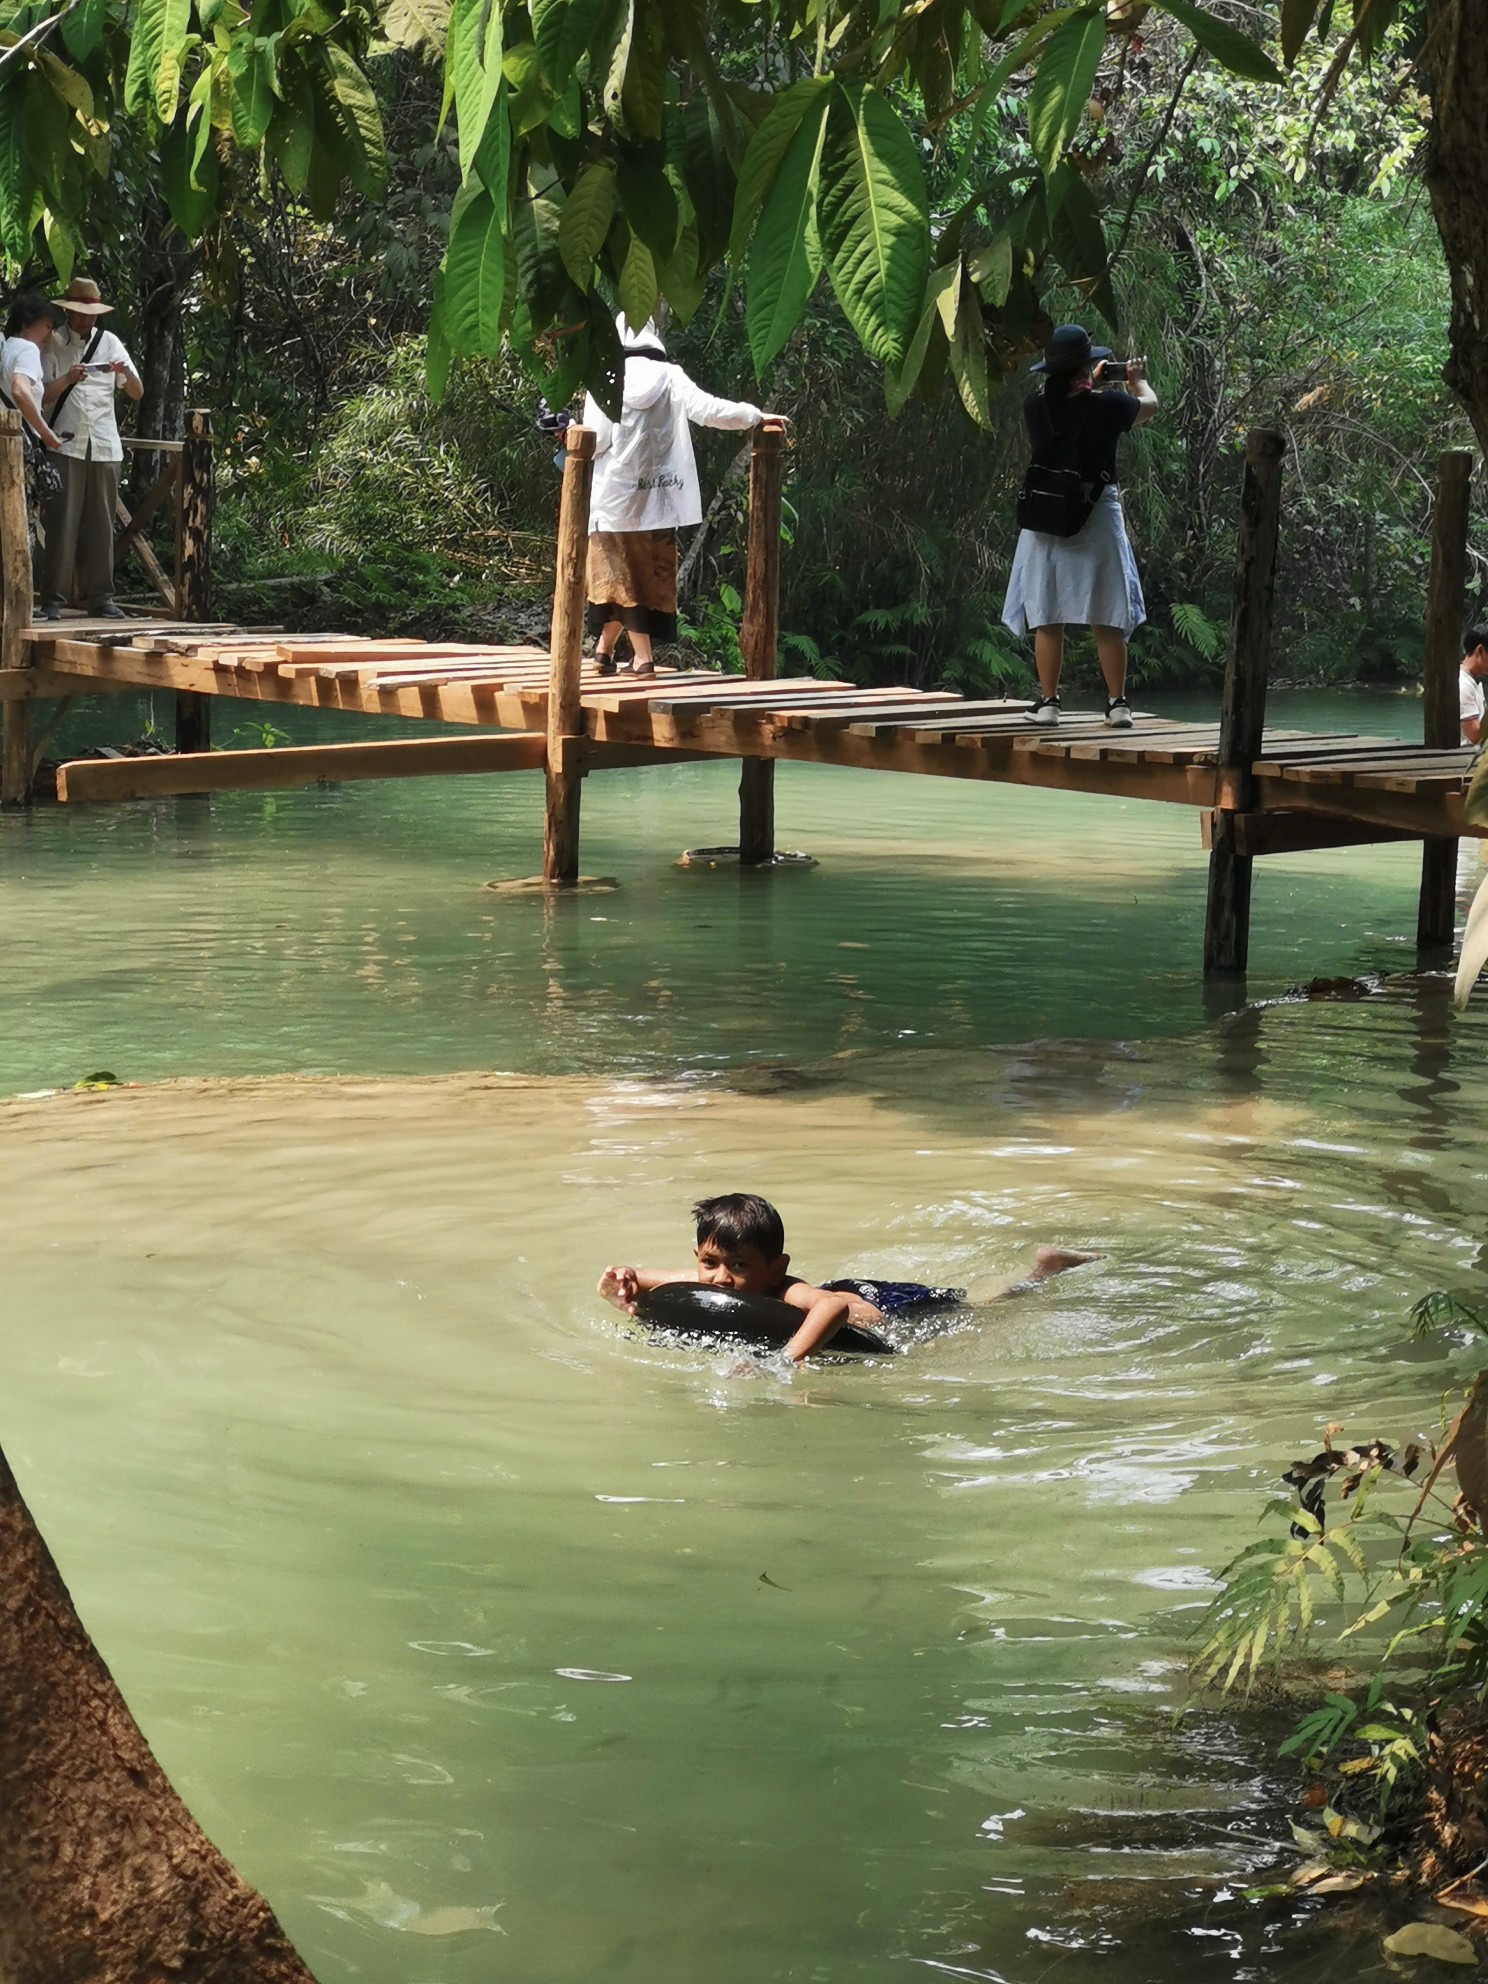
x=195, y=499
x=1258, y=834
x=1436, y=910
x=15, y=610
x=760, y=631
x=1242, y=713
x=565, y=712
x=320, y=764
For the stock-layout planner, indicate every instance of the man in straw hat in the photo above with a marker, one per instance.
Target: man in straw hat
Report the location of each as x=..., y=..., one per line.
x=84, y=367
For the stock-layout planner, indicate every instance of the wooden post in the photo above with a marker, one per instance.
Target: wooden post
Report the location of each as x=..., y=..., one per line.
x=194, y=503
x=760, y=632
x=1436, y=914
x=566, y=642
x=15, y=608
x=1242, y=713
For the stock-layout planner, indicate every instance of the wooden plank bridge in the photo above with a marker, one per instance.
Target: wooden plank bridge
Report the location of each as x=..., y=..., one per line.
x=1257, y=791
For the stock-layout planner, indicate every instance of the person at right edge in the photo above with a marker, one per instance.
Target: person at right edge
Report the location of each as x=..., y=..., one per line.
x=1090, y=579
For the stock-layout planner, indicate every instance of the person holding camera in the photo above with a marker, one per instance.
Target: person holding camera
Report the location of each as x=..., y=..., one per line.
x=85, y=366
x=1073, y=565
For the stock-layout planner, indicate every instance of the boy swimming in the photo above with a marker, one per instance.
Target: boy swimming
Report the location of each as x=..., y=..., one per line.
x=741, y=1246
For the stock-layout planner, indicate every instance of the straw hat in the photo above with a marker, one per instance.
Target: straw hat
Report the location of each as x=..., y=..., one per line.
x=82, y=296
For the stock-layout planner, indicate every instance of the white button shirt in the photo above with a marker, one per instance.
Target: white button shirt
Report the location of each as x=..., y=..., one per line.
x=88, y=415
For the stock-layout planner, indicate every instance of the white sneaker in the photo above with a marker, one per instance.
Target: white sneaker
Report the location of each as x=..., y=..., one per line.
x=1045, y=712
x=1118, y=714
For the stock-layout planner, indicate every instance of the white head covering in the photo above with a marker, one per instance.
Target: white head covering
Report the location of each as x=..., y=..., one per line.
x=647, y=335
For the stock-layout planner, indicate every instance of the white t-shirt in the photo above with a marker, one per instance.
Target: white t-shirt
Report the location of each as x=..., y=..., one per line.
x=88, y=415
x=20, y=355
x=1471, y=699
x=645, y=473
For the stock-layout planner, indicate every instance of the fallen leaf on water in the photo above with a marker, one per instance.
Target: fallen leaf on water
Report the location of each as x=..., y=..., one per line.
x=1339, y=1883
x=1431, y=1939
x=1310, y=1871
x=1472, y=1906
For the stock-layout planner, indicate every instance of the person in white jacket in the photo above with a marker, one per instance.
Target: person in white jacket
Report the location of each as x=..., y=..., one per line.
x=645, y=486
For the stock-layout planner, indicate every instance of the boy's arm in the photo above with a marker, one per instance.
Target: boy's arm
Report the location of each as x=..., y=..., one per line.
x=622, y=1285
x=826, y=1311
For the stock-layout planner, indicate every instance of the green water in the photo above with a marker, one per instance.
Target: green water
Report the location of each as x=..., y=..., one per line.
x=492, y=1641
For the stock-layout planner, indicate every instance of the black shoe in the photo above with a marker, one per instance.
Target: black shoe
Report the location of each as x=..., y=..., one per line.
x=110, y=610
x=49, y=613
x=1118, y=713
x=604, y=664
x=1045, y=712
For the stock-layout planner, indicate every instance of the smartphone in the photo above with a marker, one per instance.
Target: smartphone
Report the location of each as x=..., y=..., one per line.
x=99, y=368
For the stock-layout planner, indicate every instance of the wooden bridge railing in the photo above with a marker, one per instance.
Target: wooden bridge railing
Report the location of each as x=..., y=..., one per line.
x=758, y=639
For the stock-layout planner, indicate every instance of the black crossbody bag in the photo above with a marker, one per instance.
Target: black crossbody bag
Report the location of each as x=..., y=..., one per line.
x=1056, y=499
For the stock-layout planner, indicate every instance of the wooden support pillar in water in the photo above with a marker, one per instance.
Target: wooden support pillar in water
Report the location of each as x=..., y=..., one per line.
x=1242, y=715
x=194, y=566
x=566, y=641
x=15, y=609
x=1436, y=915
x=760, y=632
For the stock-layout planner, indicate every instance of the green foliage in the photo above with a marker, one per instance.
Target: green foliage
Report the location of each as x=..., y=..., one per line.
x=1412, y=1588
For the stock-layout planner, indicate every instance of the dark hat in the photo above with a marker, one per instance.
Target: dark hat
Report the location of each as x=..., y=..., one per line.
x=1068, y=350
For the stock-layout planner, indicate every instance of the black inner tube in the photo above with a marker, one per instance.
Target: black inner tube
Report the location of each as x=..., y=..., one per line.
x=694, y=1309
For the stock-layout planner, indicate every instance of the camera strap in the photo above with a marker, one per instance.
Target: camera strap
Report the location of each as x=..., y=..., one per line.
x=67, y=392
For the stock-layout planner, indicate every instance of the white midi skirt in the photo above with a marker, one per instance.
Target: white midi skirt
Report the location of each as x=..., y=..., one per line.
x=1089, y=580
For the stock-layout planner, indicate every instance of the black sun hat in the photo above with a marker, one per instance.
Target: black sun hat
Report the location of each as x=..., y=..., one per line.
x=1068, y=350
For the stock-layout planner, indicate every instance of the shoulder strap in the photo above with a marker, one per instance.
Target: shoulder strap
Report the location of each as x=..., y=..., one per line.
x=67, y=392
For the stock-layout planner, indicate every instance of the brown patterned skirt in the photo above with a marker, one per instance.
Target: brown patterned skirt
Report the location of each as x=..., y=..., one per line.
x=632, y=578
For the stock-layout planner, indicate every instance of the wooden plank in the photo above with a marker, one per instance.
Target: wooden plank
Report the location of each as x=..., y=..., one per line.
x=564, y=783
x=1259, y=834
x=15, y=611
x=321, y=764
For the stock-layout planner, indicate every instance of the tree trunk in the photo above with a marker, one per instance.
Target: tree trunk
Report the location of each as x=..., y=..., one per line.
x=1456, y=64
x=165, y=273
x=105, y=1878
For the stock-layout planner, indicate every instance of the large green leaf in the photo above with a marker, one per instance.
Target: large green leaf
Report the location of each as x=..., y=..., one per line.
x=417, y=24
x=1297, y=17
x=251, y=95
x=1062, y=85
x=1236, y=51
x=291, y=138
x=82, y=28
x=991, y=269
x=900, y=381
x=646, y=199
x=529, y=100
x=767, y=148
x=643, y=94
x=349, y=98
x=475, y=278
x=784, y=258
x=874, y=219
x=437, y=353
x=969, y=356
x=472, y=68
x=17, y=181
x=56, y=166
x=586, y=221
x=493, y=159
x=605, y=371
x=563, y=31
x=684, y=278
x=1079, y=241
x=710, y=176
x=541, y=276
x=156, y=48
x=190, y=189
x=637, y=285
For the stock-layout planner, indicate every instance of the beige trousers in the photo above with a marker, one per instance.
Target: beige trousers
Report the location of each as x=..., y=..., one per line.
x=78, y=533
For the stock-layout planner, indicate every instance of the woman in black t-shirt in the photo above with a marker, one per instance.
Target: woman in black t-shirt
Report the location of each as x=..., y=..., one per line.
x=1090, y=579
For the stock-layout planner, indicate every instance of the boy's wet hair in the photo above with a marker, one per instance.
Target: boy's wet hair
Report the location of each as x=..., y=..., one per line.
x=740, y=1219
